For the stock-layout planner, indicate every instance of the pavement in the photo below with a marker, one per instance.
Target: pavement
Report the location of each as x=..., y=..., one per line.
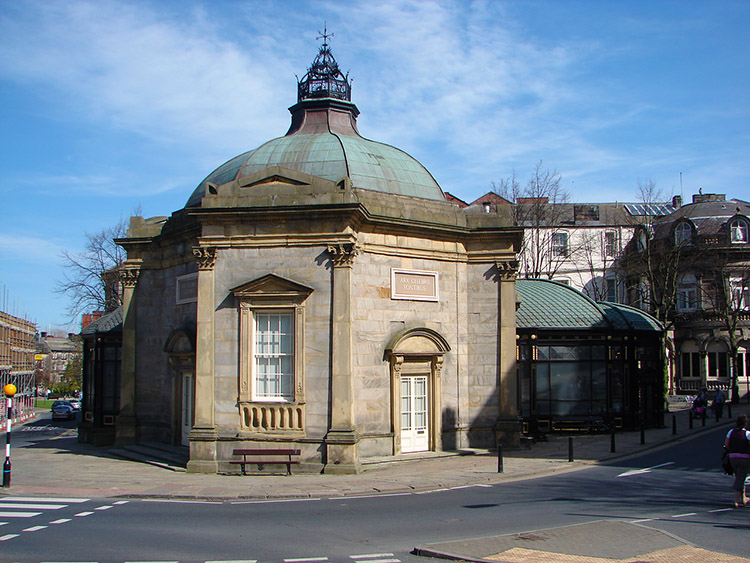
x=49, y=462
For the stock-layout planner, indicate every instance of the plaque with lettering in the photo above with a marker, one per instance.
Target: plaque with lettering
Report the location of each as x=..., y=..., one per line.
x=415, y=285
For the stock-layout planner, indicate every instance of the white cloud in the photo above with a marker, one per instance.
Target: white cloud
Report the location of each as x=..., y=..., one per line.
x=24, y=248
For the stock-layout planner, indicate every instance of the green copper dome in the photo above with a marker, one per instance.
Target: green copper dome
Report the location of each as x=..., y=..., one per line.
x=323, y=141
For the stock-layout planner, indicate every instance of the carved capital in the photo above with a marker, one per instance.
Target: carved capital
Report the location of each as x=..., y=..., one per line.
x=343, y=254
x=128, y=276
x=437, y=366
x=506, y=269
x=398, y=362
x=206, y=256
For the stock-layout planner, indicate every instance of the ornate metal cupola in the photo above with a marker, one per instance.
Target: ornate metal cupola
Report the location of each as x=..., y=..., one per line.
x=324, y=79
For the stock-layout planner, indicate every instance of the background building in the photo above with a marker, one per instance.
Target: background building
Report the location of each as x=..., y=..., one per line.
x=692, y=269
x=17, y=360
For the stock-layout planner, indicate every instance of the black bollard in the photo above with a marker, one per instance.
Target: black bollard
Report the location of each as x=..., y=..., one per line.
x=499, y=457
x=612, y=442
x=570, y=449
x=674, y=425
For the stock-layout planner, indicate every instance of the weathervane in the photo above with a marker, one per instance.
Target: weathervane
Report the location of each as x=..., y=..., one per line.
x=324, y=79
x=325, y=35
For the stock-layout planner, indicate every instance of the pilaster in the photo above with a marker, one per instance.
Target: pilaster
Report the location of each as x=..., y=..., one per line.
x=126, y=420
x=508, y=426
x=342, y=441
x=203, y=436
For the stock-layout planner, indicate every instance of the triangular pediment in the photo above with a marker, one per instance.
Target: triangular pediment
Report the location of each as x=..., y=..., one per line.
x=276, y=175
x=272, y=288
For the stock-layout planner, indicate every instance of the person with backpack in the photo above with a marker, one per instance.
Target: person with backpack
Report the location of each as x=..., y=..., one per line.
x=737, y=444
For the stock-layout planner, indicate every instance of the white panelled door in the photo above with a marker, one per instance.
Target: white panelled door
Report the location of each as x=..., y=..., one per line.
x=414, y=415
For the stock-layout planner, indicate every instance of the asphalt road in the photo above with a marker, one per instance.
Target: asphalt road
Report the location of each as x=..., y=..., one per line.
x=678, y=489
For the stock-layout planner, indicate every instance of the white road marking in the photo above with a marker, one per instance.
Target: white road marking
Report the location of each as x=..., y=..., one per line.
x=305, y=559
x=60, y=521
x=432, y=491
x=372, y=496
x=375, y=558
x=119, y=502
x=721, y=510
x=105, y=507
x=8, y=537
x=273, y=501
x=235, y=561
x=641, y=520
x=686, y=514
x=32, y=506
x=19, y=514
x=178, y=501
x=644, y=470
x=35, y=528
x=46, y=499
x=81, y=514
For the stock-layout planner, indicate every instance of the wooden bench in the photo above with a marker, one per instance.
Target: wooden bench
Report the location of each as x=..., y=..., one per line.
x=268, y=456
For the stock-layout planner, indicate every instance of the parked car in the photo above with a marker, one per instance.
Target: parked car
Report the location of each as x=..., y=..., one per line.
x=75, y=403
x=61, y=410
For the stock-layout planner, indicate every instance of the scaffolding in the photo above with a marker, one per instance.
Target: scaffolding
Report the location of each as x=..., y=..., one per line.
x=17, y=363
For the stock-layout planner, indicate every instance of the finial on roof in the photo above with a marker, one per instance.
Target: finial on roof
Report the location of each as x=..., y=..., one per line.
x=324, y=79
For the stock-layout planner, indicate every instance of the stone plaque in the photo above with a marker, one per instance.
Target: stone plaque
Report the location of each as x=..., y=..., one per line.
x=416, y=285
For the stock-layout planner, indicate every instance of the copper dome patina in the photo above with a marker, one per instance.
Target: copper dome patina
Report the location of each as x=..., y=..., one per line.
x=323, y=141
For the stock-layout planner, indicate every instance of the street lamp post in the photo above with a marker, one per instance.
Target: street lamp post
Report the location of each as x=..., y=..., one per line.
x=10, y=391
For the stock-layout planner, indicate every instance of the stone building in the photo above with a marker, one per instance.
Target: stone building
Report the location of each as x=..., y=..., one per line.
x=319, y=292
x=700, y=259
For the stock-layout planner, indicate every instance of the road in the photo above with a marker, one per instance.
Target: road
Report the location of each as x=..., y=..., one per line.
x=678, y=489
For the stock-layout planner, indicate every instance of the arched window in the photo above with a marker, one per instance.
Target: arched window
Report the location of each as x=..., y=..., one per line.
x=738, y=231
x=683, y=233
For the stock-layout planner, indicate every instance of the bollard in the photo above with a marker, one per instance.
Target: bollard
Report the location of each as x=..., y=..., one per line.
x=674, y=425
x=499, y=457
x=10, y=391
x=643, y=434
x=612, y=442
x=570, y=449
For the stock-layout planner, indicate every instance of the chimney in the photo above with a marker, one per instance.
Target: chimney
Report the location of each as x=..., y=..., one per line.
x=44, y=335
x=677, y=201
x=703, y=198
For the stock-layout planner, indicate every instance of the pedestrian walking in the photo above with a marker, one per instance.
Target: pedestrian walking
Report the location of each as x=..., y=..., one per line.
x=737, y=444
x=718, y=405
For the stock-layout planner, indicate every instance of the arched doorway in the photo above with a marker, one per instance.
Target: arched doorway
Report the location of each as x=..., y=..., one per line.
x=181, y=349
x=416, y=359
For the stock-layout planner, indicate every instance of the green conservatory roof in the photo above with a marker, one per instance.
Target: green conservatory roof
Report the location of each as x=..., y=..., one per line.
x=547, y=304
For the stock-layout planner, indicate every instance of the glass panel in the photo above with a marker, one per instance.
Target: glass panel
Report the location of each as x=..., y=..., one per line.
x=599, y=381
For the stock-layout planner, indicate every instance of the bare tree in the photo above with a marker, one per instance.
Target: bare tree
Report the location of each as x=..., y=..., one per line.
x=83, y=280
x=538, y=207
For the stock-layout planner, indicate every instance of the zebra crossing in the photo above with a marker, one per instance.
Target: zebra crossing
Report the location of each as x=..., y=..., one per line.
x=15, y=510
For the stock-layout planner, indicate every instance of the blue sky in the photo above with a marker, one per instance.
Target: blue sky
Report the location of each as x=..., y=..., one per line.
x=110, y=106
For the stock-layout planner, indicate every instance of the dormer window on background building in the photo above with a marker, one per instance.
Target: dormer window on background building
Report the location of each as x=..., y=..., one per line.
x=683, y=234
x=738, y=230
